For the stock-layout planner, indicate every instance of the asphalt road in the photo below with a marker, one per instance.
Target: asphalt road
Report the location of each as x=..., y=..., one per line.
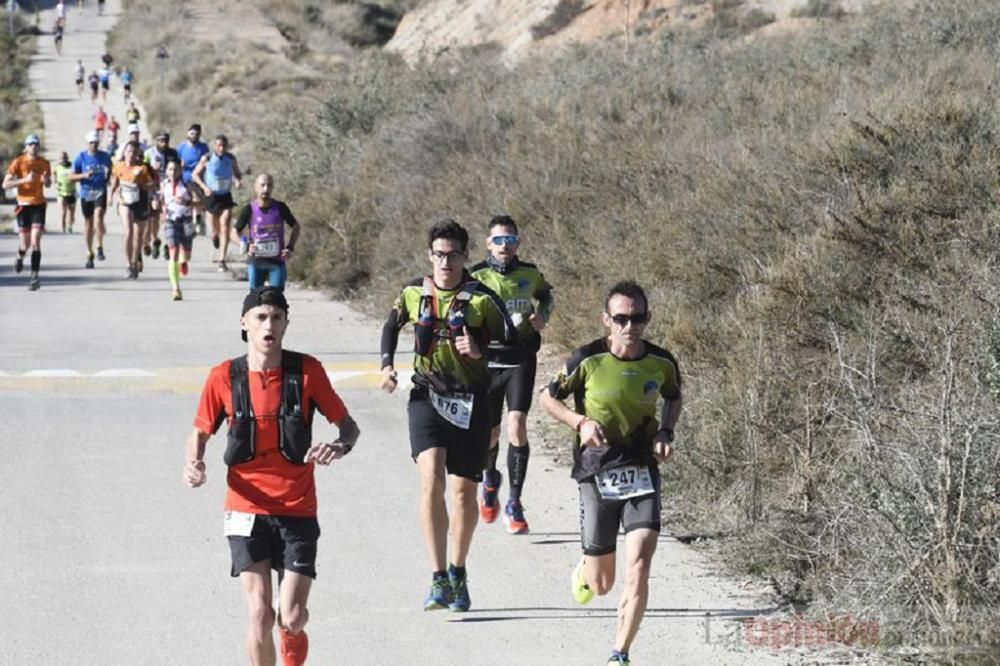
x=107, y=558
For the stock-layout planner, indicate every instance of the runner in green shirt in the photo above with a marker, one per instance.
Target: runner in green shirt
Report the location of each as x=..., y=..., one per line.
x=519, y=284
x=616, y=383
x=455, y=319
x=66, y=189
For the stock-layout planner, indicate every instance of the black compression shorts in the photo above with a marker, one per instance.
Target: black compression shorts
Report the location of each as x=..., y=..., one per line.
x=516, y=385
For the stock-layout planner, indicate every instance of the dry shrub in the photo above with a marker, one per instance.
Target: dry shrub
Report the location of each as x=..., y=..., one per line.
x=814, y=220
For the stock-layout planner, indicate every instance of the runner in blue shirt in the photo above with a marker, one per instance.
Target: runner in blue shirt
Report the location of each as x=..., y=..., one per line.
x=91, y=169
x=191, y=151
x=217, y=174
x=127, y=84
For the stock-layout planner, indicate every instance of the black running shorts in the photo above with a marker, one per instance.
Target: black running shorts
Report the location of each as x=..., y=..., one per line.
x=69, y=199
x=466, y=449
x=516, y=385
x=30, y=216
x=288, y=541
x=600, y=518
x=88, y=206
x=217, y=204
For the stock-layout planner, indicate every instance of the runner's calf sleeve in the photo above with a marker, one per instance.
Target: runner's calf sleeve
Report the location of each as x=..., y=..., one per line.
x=173, y=270
x=517, y=468
x=491, y=458
x=36, y=260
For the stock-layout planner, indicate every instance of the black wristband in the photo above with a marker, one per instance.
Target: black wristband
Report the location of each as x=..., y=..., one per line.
x=669, y=432
x=290, y=248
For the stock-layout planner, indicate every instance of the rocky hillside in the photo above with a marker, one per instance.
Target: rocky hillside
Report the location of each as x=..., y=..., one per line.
x=522, y=27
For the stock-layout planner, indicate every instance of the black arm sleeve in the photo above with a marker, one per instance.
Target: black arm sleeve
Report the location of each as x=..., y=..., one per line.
x=286, y=214
x=390, y=338
x=244, y=219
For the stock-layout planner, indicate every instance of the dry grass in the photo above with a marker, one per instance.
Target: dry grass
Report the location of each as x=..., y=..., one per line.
x=18, y=115
x=815, y=221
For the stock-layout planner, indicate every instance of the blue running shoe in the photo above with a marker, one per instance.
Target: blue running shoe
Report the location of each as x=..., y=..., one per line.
x=460, y=591
x=440, y=596
x=513, y=517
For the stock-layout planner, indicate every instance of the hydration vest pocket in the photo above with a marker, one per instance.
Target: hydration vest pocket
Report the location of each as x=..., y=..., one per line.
x=296, y=438
x=423, y=330
x=241, y=442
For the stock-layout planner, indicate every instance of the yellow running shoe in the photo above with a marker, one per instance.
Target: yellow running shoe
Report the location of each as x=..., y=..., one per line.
x=581, y=593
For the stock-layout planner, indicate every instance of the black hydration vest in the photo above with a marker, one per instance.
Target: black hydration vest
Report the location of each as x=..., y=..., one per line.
x=294, y=431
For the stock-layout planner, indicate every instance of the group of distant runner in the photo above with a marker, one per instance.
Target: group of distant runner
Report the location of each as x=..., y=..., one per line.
x=156, y=187
x=477, y=332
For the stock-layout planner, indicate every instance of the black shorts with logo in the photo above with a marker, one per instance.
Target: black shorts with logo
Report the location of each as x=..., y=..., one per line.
x=516, y=385
x=217, y=204
x=288, y=541
x=466, y=449
x=88, y=206
x=30, y=216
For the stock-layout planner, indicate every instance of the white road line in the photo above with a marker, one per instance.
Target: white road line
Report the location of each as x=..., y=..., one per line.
x=124, y=372
x=52, y=373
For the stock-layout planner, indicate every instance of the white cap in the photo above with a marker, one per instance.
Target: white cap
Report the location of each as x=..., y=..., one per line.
x=133, y=128
x=92, y=137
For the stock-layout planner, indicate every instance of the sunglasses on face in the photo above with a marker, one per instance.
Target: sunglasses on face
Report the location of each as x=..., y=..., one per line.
x=507, y=239
x=454, y=255
x=635, y=319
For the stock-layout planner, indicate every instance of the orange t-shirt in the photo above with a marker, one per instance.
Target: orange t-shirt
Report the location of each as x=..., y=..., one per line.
x=269, y=484
x=136, y=174
x=30, y=194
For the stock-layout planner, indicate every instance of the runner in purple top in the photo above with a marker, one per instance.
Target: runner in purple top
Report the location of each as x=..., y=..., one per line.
x=266, y=219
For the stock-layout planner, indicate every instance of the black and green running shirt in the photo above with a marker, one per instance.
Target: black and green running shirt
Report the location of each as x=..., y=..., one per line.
x=443, y=367
x=621, y=395
x=518, y=288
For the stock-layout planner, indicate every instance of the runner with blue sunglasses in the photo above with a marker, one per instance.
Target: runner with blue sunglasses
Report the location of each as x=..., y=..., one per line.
x=520, y=285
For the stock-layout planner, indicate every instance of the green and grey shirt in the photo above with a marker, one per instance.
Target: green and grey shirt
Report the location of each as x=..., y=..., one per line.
x=621, y=395
x=443, y=368
x=519, y=286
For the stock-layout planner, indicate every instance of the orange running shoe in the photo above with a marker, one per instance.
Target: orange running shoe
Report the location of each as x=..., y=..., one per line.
x=489, y=501
x=294, y=648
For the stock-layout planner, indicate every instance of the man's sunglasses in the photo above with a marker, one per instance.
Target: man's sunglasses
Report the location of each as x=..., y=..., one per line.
x=636, y=319
x=508, y=239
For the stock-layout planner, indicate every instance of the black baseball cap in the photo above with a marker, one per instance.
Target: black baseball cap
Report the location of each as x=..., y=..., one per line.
x=263, y=296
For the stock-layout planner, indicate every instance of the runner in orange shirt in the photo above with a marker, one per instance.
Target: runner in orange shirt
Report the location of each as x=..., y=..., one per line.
x=30, y=174
x=100, y=121
x=135, y=181
x=268, y=398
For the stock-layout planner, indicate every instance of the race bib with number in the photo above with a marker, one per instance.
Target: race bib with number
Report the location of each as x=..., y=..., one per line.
x=92, y=195
x=455, y=408
x=267, y=248
x=130, y=193
x=223, y=185
x=189, y=229
x=625, y=482
x=238, y=523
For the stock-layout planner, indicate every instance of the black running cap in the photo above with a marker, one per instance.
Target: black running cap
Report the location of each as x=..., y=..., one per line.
x=263, y=296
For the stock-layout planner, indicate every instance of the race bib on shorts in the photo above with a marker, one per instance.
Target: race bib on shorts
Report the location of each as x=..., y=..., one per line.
x=267, y=248
x=237, y=523
x=625, y=482
x=223, y=185
x=455, y=408
x=92, y=195
x=189, y=229
x=130, y=194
